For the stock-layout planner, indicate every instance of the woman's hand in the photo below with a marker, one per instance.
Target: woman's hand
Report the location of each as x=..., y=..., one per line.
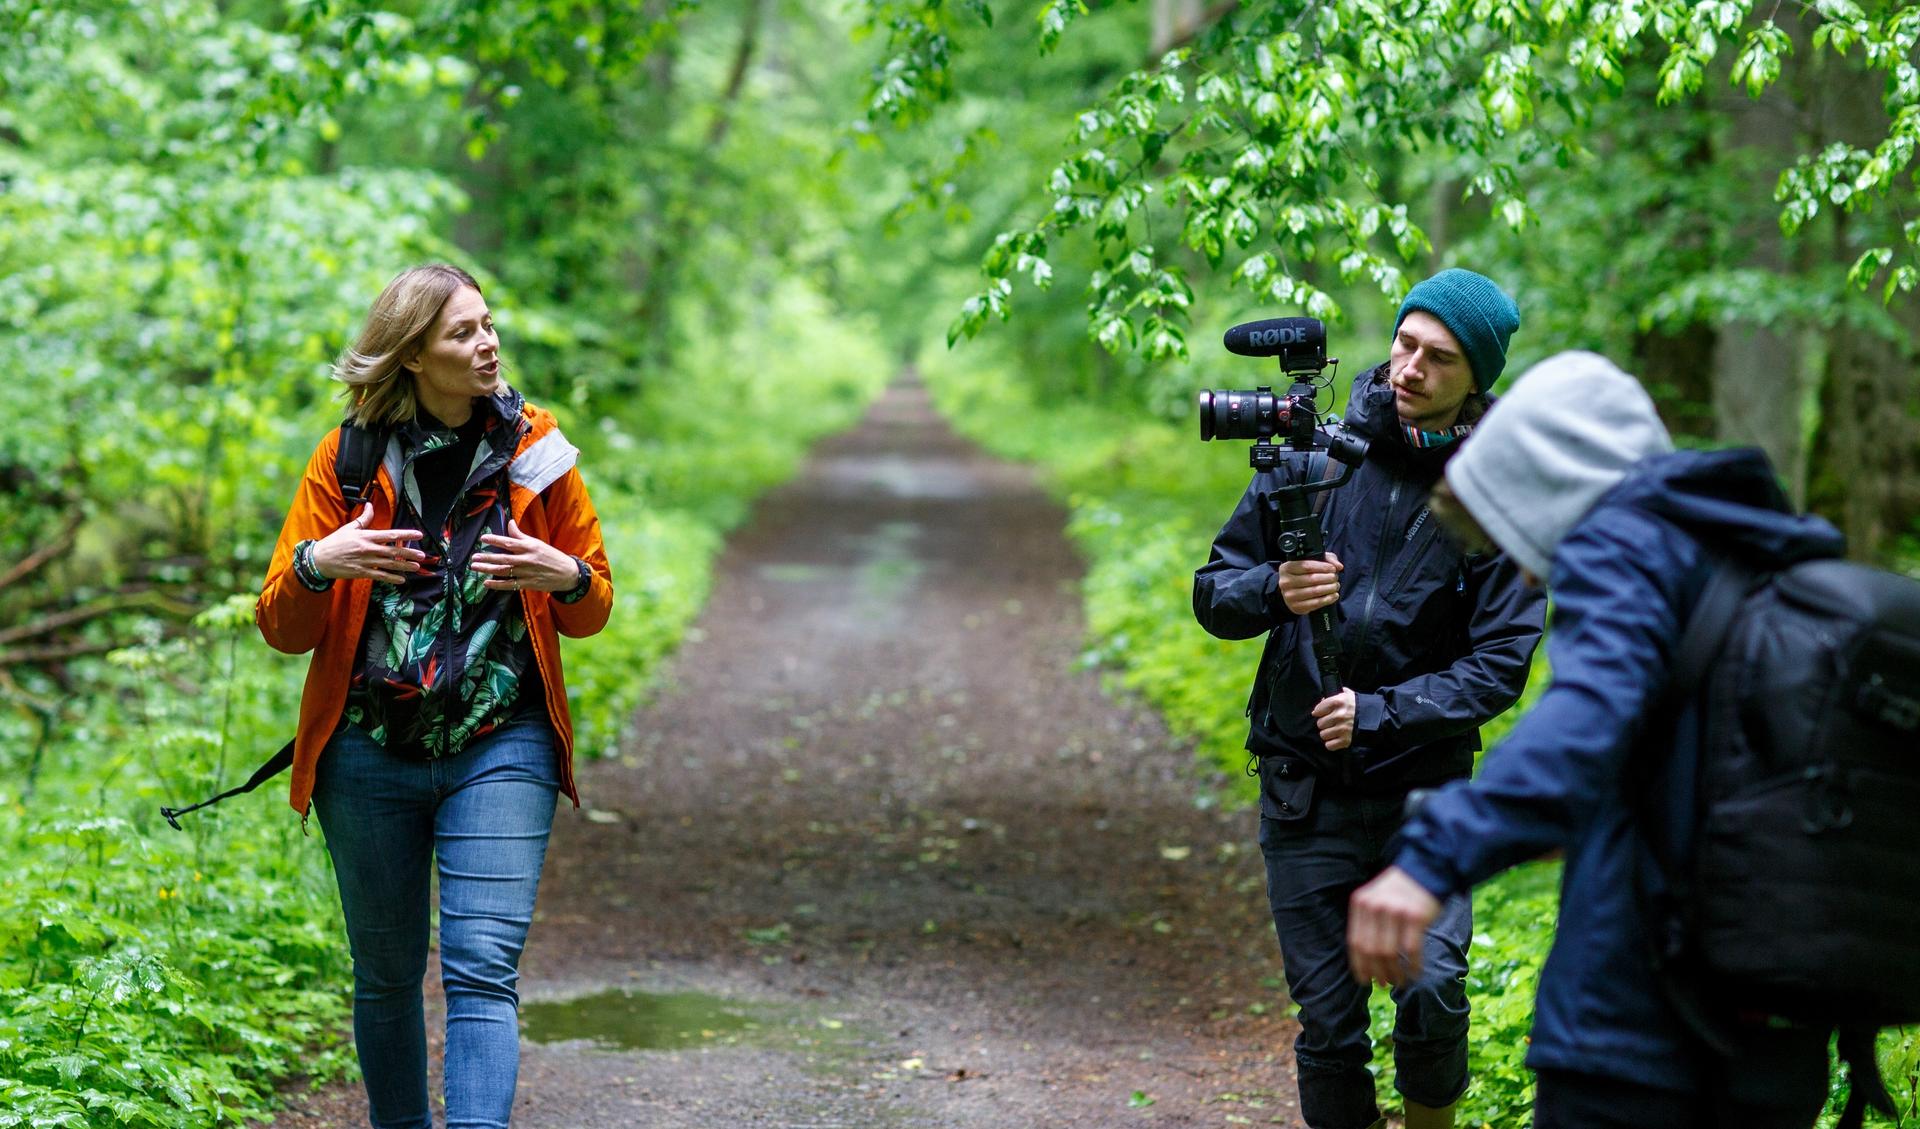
x=520, y=561
x=354, y=552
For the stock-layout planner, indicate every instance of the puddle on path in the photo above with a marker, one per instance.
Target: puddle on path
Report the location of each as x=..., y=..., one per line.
x=788, y=573
x=641, y=1021
x=622, y=1020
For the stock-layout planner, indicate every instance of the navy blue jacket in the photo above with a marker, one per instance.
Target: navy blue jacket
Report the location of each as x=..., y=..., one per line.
x=1624, y=581
x=1435, y=641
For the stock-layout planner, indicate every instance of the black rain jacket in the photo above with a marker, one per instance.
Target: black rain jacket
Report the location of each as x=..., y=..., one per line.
x=1435, y=641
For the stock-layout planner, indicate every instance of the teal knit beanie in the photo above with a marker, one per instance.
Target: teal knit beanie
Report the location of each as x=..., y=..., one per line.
x=1476, y=311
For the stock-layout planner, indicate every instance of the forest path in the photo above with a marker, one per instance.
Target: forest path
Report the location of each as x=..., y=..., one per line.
x=881, y=855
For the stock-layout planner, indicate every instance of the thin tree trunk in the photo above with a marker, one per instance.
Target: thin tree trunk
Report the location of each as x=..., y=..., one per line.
x=1678, y=364
x=1173, y=20
x=678, y=235
x=1758, y=382
x=1867, y=448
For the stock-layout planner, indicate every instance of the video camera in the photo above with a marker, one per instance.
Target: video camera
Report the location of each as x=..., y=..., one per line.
x=1290, y=521
x=1301, y=346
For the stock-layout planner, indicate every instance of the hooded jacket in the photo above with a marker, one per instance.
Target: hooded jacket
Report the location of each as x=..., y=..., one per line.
x=1625, y=576
x=1435, y=641
x=548, y=498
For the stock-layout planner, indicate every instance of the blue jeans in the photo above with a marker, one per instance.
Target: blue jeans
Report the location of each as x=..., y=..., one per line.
x=485, y=813
x=1314, y=864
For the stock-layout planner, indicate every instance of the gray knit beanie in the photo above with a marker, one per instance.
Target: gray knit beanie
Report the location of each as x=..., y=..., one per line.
x=1562, y=436
x=1477, y=312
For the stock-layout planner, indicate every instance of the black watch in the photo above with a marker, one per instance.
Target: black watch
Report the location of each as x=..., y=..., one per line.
x=578, y=591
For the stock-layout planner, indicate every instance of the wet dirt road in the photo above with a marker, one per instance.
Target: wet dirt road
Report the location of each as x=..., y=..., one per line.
x=881, y=855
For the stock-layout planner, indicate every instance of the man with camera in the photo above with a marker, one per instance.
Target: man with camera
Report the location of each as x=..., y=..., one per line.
x=1434, y=642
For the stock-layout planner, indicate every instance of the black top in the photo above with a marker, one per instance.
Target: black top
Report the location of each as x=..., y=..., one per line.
x=443, y=471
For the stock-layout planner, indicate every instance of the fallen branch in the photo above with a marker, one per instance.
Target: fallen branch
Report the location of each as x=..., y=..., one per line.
x=62, y=542
x=12, y=691
x=59, y=651
x=105, y=605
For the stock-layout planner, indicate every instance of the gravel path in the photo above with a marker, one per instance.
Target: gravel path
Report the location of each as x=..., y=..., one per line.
x=880, y=812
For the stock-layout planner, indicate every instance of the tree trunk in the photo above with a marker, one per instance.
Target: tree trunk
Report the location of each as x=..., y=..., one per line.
x=1868, y=438
x=1758, y=382
x=1678, y=363
x=1174, y=21
x=1867, y=448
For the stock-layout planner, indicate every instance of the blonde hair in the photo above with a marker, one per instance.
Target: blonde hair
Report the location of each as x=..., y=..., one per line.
x=380, y=392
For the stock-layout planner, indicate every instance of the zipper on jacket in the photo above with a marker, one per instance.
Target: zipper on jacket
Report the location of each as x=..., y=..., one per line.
x=453, y=584
x=1373, y=589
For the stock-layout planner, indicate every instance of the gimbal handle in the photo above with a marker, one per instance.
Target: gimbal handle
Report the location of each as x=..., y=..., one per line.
x=1297, y=537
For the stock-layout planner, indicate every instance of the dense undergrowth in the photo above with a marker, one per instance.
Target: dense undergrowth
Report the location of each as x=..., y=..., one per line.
x=1145, y=499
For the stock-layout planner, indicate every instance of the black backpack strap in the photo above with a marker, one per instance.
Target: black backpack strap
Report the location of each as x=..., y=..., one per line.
x=1708, y=626
x=355, y=464
x=358, y=460
x=274, y=766
x=1702, y=638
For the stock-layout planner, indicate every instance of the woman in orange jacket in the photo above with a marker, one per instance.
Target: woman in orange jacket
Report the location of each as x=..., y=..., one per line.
x=434, y=723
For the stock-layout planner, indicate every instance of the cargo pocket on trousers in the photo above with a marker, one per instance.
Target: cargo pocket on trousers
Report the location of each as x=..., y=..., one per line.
x=1286, y=788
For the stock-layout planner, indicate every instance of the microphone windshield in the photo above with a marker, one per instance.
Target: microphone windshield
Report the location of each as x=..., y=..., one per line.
x=1301, y=338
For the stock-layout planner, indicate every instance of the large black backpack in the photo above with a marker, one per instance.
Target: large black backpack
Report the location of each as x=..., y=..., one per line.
x=354, y=465
x=1795, y=891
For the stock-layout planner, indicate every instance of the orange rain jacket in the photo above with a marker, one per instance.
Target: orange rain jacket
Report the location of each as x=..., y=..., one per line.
x=546, y=496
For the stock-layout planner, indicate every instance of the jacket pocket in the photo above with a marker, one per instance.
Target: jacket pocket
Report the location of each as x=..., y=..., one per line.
x=1286, y=788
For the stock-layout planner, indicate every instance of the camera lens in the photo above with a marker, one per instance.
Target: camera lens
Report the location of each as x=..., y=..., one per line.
x=1237, y=414
x=1206, y=416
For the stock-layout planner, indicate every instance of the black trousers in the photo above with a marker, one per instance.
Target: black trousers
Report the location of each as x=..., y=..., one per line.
x=1314, y=864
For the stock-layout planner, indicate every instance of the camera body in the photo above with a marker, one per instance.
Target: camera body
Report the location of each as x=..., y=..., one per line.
x=1260, y=415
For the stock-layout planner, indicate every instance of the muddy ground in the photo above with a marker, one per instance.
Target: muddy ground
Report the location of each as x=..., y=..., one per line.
x=893, y=856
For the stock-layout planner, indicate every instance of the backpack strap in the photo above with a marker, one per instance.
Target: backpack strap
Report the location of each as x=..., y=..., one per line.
x=1708, y=626
x=275, y=765
x=358, y=460
x=1702, y=638
x=1321, y=468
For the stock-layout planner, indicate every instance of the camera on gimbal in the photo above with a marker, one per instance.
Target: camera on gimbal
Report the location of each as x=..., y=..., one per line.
x=1289, y=515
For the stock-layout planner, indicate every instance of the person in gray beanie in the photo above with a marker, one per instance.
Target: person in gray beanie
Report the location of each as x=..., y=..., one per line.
x=1573, y=475
x=1437, y=642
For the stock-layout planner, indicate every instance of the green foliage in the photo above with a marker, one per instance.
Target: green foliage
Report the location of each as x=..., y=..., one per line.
x=148, y=976
x=1273, y=141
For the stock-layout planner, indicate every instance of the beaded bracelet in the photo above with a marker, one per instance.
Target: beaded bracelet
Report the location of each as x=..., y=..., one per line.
x=578, y=592
x=304, y=569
